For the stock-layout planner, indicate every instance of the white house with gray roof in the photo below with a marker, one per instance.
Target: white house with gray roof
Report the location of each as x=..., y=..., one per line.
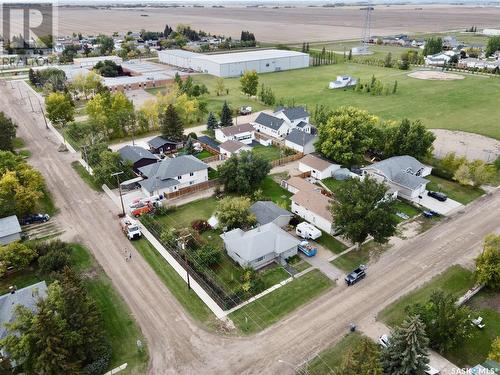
x=283, y=121
x=261, y=246
x=271, y=125
x=293, y=116
x=301, y=141
x=403, y=174
x=172, y=174
x=10, y=230
x=269, y=212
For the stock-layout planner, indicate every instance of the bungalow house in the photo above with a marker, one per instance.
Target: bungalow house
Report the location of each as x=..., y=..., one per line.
x=261, y=246
x=314, y=208
x=439, y=59
x=301, y=141
x=27, y=297
x=229, y=148
x=268, y=212
x=293, y=116
x=172, y=174
x=244, y=133
x=10, y=230
x=403, y=174
x=296, y=184
x=137, y=156
x=160, y=145
x=271, y=125
x=319, y=167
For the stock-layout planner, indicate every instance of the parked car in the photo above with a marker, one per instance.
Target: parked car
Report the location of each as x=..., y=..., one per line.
x=356, y=275
x=442, y=197
x=245, y=110
x=430, y=214
x=130, y=228
x=34, y=218
x=143, y=210
x=307, y=249
x=383, y=341
x=307, y=231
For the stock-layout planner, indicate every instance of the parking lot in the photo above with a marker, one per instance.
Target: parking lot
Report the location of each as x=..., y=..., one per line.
x=442, y=208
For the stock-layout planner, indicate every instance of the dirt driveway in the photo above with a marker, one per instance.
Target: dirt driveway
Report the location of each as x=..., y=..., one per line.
x=472, y=146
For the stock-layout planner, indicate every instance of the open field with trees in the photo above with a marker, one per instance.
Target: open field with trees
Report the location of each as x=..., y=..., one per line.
x=439, y=104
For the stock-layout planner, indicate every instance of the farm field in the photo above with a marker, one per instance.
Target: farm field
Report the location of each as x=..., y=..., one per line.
x=439, y=104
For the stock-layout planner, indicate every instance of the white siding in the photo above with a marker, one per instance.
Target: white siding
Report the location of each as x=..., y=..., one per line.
x=312, y=218
x=186, y=180
x=320, y=175
x=10, y=238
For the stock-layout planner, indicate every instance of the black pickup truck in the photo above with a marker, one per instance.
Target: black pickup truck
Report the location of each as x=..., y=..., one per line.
x=356, y=275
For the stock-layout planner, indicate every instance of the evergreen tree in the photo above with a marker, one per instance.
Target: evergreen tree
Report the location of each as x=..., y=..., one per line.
x=307, y=47
x=407, y=352
x=171, y=124
x=225, y=116
x=189, y=147
x=350, y=55
x=211, y=121
x=303, y=47
x=395, y=87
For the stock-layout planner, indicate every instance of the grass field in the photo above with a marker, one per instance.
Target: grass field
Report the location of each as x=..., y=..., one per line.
x=332, y=244
x=350, y=261
x=273, y=191
x=269, y=153
x=457, y=108
x=455, y=191
x=267, y=310
x=86, y=176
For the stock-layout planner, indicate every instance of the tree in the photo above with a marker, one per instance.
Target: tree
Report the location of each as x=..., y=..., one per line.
x=249, y=82
x=243, y=172
x=208, y=255
x=446, y=324
x=404, y=64
x=171, y=124
x=7, y=133
x=109, y=163
x=362, y=209
x=106, y=44
x=495, y=350
x=234, y=212
x=481, y=173
x=225, y=116
x=493, y=45
x=189, y=147
x=108, y=68
x=407, y=351
x=347, y=135
x=60, y=108
x=388, y=60
x=363, y=359
x=219, y=86
x=463, y=175
x=55, y=260
x=211, y=121
x=488, y=263
x=432, y=46
x=409, y=138
x=16, y=255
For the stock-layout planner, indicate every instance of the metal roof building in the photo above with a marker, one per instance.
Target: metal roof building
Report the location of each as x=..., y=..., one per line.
x=10, y=230
x=235, y=64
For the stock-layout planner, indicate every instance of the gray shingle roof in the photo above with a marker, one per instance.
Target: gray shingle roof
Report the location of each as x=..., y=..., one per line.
x=209, y=141
x=269, y=121
x=26, y=297
x=158, y=142
x=302, y=124
x=299, y=137
x=237, y=129
x=263, y=240
x=135, y=153
x=164, y=173
x=9, y=225
x=293, y=113
x=404, y=170
x=232, y=146
x=267, y=211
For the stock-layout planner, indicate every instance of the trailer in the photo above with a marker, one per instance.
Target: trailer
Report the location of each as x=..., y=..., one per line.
x=307, y=231
x=307, y=249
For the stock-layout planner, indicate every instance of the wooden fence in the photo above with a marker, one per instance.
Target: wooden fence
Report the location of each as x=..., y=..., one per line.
x=192, y=189
x=287, y=159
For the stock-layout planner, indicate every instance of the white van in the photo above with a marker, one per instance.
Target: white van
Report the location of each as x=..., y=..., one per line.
x=307, y=231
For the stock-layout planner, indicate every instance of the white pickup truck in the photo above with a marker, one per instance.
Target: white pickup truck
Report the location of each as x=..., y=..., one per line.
x=130, y=228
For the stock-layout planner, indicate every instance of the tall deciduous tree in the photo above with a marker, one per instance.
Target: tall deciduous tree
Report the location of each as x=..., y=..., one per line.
x=7, y=132
x=171, y=124
x=16, y=255
x=60, y=108
x=347, y=135
x=234, y=212
x=407, y=353
x=361, y=209
x=409, y=138
x=109, y=163
x=494, y=354
x=249, y=82
x=493, y=45
x=488, y=263
x=219, y=86
x=363, y=359
x=225, y=115
x=446, y=324
x=243, y=172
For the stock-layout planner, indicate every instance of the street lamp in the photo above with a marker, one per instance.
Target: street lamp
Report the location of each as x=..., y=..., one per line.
x=117, y=174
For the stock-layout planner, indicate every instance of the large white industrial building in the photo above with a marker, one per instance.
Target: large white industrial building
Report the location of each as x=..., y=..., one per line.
x=235, y=64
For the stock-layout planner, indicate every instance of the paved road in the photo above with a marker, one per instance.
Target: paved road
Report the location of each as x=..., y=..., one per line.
x=177, y=344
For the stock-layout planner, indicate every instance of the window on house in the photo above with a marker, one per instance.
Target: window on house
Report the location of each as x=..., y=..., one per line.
x=191, y=174
x=259, y=259
x=191, y=182
x=179, y=177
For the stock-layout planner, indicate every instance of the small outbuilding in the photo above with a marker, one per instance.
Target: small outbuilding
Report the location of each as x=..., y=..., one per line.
x=301, y=141
x=160, y=145
x=10, y=230
x=229, y=148
x=139, y=157
x=320, y=168
x=269, y=212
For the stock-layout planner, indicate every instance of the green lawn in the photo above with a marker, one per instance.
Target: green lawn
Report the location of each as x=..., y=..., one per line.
x=332, y=244
x=187, y=298
x=273, y=191
x=455, y=280
x=18, y=142
x=455, y=191
x=269, y=153
x=332, y=183
x=19, y=279
x=331, y=358
x=182, y=216
x=121, y=328
x=350, y=261
x=415, y=99
x=203, y=155
x=274, y=306
x=86, y=176
x=407, y=209
x=47, y=204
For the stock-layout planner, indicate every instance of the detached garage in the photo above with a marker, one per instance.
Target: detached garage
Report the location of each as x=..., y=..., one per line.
x=10, y=230
x=235, y=64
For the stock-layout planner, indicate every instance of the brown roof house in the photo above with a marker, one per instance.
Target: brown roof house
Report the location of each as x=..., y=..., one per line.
x=313, y=207
x=231, y=147
x=320, y=168
x=244, y=133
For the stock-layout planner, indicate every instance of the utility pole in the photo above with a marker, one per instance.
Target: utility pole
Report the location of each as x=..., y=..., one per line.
x=182, y=243
x=117, y=174
x=31, y=104
x=43, y=114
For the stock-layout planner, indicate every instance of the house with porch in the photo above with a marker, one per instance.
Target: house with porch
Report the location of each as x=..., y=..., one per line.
x=244, y=133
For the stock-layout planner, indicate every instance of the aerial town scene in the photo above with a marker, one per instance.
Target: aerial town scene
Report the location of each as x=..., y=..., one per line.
x=250, y=187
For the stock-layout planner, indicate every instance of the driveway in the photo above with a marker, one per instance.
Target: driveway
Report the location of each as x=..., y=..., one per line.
x=443, y=208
